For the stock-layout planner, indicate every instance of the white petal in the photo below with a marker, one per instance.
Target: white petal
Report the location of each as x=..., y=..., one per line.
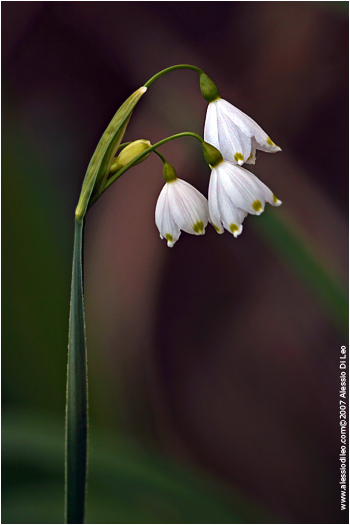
x=222, y=209
x=211, y=126
x=189, y=207
x=233, y=193
x=160, y=208
x=214, y=210
x=252, y=158
x=262, y=141
x=222, y=132
x=180, y=207
x=245, y=190
x=234, y=145
x=268, y=195
x=164, y=220
x=244, y=193
x=250, y=128
x=265, y=194
x=231, y=216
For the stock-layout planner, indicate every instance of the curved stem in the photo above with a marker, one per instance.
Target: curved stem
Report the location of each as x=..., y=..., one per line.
x=149, y=150
x=159, y=155
x=172, y=68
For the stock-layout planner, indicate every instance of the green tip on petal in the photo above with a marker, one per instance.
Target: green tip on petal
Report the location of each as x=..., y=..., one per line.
x=234, y=228
x=271, y=143
x=198, y=227
x=169, y=237
x=276, y=201
x=216, y=228
x=238, y=157
x=257, y=206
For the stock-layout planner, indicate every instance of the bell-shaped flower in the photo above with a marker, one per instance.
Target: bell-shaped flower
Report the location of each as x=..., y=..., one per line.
x=233, y=193
x=235, y=134
x=180, y=207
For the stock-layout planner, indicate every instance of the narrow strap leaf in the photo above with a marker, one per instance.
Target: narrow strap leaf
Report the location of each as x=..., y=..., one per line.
x=76, y=405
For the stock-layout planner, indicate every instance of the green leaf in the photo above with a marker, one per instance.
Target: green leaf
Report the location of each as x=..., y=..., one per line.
x=102, y=158
x=76, y=408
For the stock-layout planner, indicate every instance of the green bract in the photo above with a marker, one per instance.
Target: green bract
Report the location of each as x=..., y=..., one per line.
x=101, y=160
x=211, y=154
x=169, y=172
x=208, y=89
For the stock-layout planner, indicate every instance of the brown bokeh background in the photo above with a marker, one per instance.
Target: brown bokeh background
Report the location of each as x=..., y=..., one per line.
x=221, y=354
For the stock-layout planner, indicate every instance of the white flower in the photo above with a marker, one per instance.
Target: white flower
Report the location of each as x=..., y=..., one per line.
x=180, y=207
x=235, y=134
x=233, y=193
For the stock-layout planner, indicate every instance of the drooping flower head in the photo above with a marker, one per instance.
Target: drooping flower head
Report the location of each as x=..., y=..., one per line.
x=180, y=207
x=233, y=193
x=236, y=135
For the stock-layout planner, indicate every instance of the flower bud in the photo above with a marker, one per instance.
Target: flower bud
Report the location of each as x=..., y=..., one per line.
x=211, y=154
x=129, y=153
x=208, y=89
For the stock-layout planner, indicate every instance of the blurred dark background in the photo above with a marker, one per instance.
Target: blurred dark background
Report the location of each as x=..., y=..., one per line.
x=214, y=366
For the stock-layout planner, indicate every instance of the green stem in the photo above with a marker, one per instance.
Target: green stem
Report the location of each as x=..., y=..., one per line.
x=76, y=401
x=139, y=157
x=149, y=150
x=172, y=68
x=159, y=155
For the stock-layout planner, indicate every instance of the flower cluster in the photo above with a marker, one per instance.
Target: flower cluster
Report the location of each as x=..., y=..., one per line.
x=233, y=191
x=231, y=139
